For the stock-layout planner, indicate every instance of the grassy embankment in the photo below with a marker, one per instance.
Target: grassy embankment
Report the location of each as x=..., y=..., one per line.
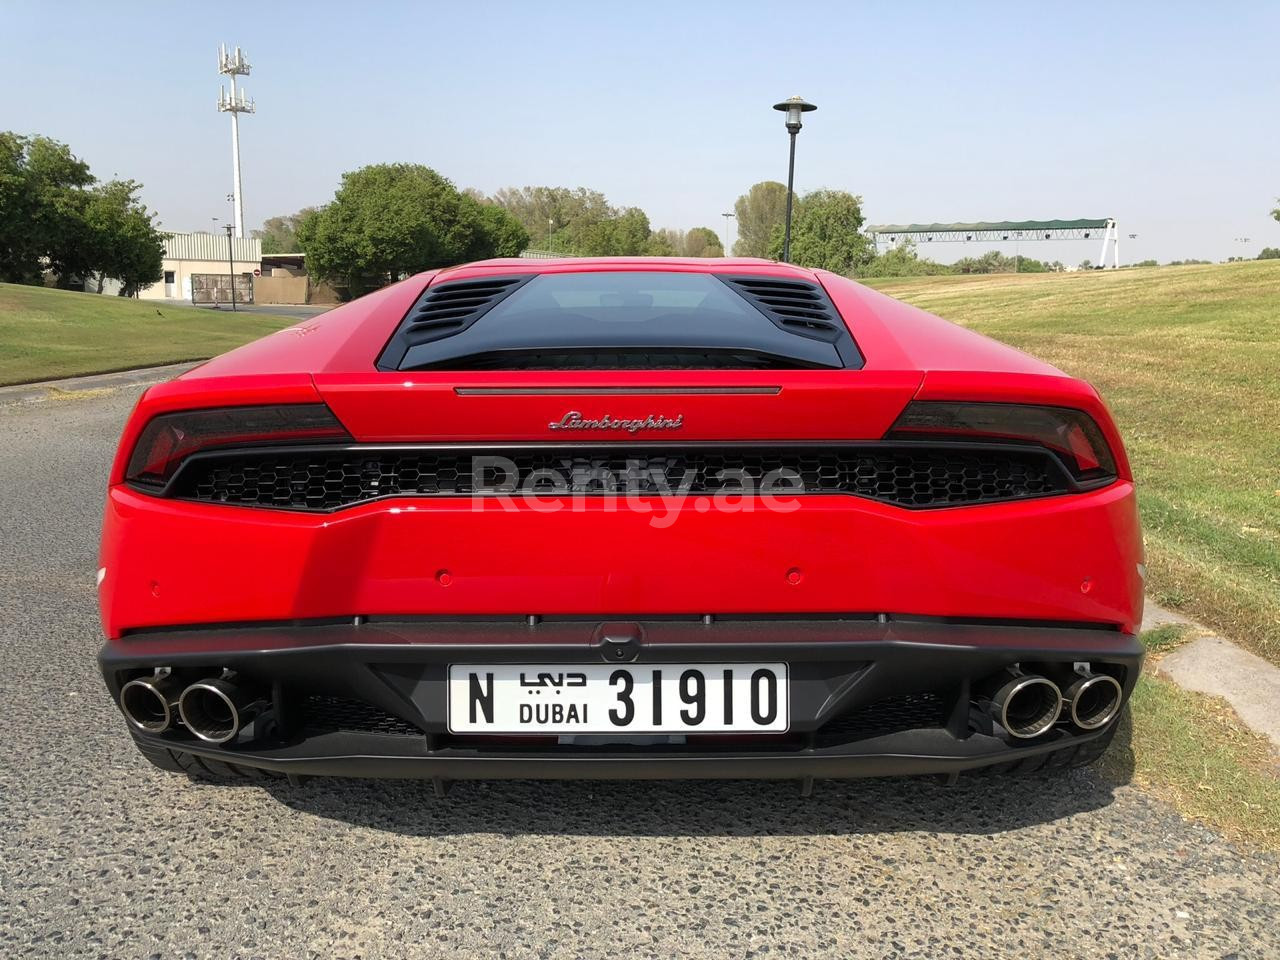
x=48, y=334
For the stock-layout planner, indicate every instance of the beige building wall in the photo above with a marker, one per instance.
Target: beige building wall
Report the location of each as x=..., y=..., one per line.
x=180, y=287
x=279, y=289
x=186, y=254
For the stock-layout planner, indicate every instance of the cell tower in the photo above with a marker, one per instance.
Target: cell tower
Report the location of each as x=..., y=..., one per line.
x=234, y=65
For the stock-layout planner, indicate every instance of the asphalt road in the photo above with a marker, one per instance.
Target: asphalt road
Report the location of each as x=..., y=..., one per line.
x=103, y=856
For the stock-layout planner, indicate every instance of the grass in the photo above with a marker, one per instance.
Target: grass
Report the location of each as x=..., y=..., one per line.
x=1194, y=752
x=48, y=334
x=1189, y=360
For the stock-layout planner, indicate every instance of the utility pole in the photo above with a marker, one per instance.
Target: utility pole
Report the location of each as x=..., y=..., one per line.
x=727, y=218
x=233, y=64
x=231, y=268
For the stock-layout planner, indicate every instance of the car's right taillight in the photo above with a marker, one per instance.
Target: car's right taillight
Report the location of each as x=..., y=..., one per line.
x=1069, y=433
x=169, y=439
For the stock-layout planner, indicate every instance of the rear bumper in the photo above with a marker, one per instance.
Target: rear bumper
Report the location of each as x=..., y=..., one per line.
x=869, y=697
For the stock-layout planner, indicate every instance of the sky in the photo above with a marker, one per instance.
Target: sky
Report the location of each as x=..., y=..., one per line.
x=1162, y=115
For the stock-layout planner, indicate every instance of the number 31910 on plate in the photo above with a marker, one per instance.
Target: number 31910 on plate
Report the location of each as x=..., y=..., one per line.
x=606, y=698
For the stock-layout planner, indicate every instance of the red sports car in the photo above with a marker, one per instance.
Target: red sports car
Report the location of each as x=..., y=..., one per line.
x=621, y=518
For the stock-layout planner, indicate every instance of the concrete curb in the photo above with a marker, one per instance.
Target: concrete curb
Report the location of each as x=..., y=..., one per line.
x=1213, y=665
x=36, y=392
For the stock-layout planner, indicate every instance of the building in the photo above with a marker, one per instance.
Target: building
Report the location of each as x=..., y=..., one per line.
x=198, y=267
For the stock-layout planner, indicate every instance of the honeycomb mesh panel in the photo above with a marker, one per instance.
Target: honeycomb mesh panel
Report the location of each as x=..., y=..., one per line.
x=912, y=711
x=323, y=713
x=912, y=477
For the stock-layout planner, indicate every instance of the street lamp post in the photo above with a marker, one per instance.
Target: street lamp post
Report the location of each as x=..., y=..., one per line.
x=793, y=108
x=231, y=265
x=727, y=218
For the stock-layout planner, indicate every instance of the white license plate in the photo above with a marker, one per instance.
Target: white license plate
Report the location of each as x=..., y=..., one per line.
x=607, y=698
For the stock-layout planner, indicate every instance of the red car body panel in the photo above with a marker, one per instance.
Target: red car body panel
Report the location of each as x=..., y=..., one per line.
x=1072, y=558
x=291, y=633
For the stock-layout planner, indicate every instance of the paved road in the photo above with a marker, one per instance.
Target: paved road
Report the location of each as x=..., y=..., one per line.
x=102, y=856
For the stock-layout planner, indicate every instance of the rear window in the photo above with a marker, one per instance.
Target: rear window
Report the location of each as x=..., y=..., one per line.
x=627, y=298
x=617, y=320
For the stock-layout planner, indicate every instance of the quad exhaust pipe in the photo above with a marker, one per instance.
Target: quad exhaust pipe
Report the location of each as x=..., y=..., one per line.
x=1025, y=704
x=148, y=702
x=1093, y=699
x=217, y=709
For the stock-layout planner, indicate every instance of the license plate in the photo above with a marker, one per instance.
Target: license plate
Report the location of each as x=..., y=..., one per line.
x=603, y=698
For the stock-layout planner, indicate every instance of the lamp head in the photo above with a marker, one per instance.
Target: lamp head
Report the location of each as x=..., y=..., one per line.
x=793, y=108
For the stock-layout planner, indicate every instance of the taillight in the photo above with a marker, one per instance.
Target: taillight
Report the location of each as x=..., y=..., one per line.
x=172, y=437
x=1071, y=434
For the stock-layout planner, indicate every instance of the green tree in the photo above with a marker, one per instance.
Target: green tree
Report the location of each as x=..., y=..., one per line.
x=122, y=239
x=1269, y=253
x=759, y=211
x=280, y=234
x=624, y=235
x=554, y=216
x=1276, y=213
x=702, y=242
x=391, y=220
x=55, y=216
x=901, y=260
x=41, y=209
x=826, y=233
x=503, y=233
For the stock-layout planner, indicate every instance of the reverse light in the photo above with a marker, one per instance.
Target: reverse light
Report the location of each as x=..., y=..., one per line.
x=1071, y=434
x=167, y=440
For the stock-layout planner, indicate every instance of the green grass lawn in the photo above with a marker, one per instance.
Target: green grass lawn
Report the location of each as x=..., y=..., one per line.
x=47, y=334
x=1189, y=360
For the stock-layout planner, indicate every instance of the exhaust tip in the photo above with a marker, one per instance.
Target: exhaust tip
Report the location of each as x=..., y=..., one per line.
x=1028, y=706
x=1095, y=700
x=145, y=704
x=208, y=708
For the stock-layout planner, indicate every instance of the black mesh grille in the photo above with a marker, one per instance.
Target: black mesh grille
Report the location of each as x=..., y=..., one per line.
x=909, y=712
x=314, y=479
x=450, y=308
x=794, y=305
x=321, y=714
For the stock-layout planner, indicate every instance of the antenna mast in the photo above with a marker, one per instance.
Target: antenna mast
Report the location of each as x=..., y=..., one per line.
x=233, y=64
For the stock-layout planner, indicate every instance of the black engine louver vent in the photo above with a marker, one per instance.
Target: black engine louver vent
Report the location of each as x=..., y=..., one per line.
x=449, y=308
x=795, y=306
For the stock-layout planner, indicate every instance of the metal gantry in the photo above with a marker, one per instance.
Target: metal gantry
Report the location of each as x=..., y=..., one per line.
x=1014, y=231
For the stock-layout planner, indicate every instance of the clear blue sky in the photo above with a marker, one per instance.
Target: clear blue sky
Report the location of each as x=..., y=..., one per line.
x=1163, y=115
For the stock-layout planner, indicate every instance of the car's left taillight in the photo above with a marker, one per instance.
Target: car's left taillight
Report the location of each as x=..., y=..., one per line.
x=170, y=438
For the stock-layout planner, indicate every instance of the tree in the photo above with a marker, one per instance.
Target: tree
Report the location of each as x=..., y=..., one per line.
x=1276, y=213
x=902, y=260
x=280, y=234
x=554, y=216
x=508, y=238
x=55, y=216
x=702, y=242
x=759, y=212
x=826, y=233
x=41, y=204
x=391, y=220
x=1269, y=253
x=122, y=241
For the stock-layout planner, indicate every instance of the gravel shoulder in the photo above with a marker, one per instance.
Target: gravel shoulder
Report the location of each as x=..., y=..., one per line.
x=102, y=856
